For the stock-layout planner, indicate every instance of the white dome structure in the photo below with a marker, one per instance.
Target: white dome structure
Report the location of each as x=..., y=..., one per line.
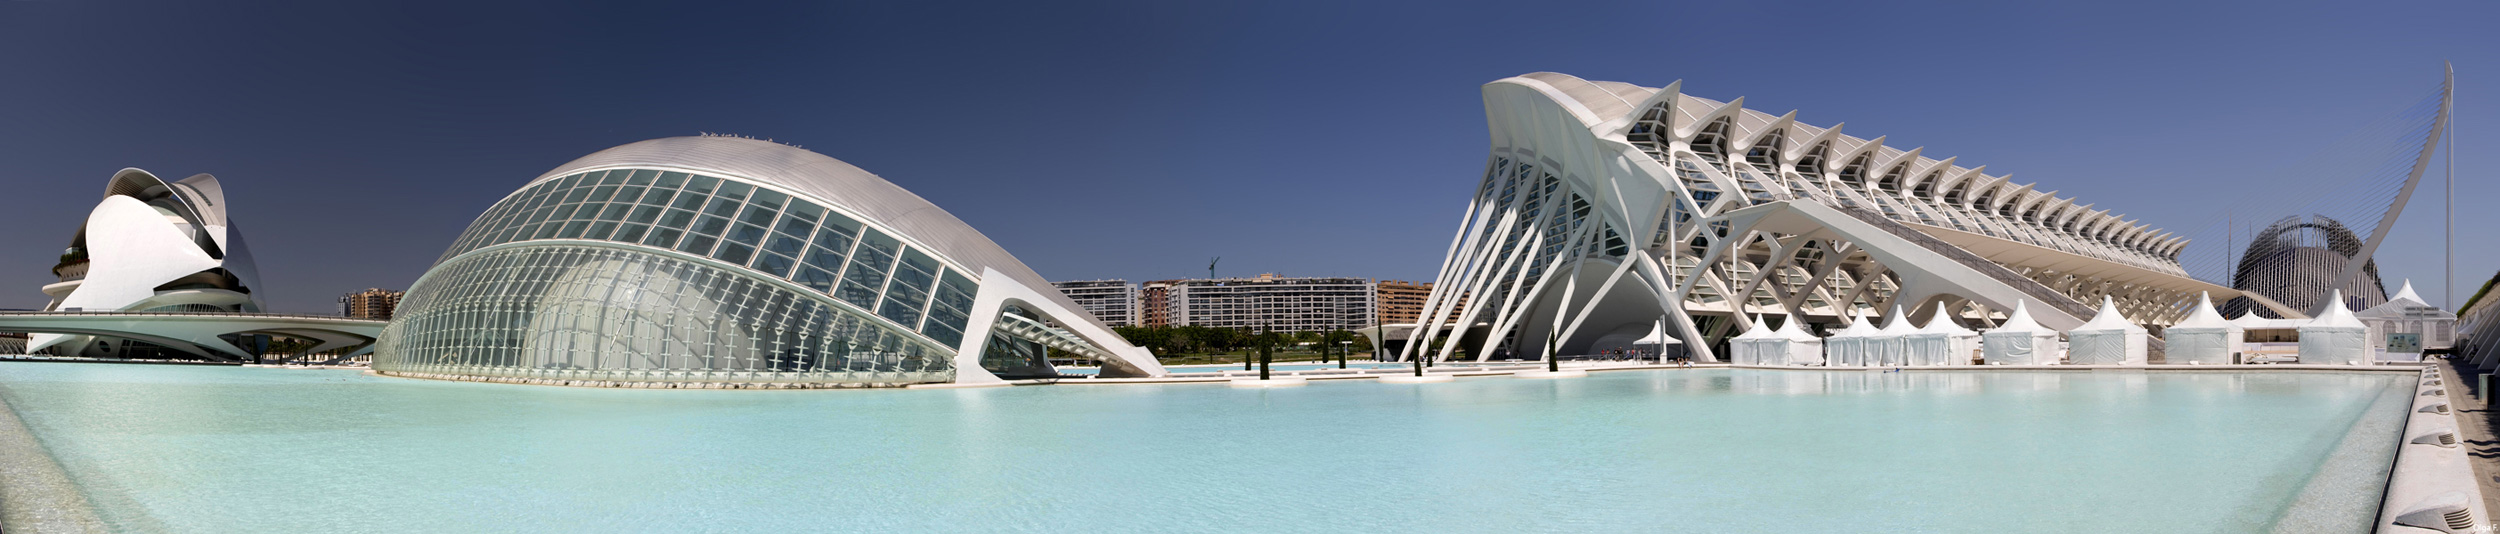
x=2204, y=338
x=2020, y=341
x=720, y=261
x=2109, y=339
x=150, y=246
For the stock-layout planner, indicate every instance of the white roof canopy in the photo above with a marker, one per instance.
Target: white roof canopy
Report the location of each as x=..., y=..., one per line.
x=2109, y=319
x=2020, y=321
x=2204, y=316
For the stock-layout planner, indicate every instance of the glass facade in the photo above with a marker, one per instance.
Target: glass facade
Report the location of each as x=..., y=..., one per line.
x=625, y=313
x=608, y=314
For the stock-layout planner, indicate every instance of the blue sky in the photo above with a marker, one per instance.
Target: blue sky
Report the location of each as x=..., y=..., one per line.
x=1135, y=140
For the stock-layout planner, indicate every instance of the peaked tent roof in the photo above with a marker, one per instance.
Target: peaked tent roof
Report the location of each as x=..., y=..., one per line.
x=1658, y=335
x=2204, y=316
x=1858, y=328
x=1943, y=324
x=1759, y=330
x=1899, y=323
x=2109, y=319
x=1789, y=329
x=2336, y=316
x=2020, y=321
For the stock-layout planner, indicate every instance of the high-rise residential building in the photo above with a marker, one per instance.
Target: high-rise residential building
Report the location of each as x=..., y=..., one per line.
x=1268, y=301
x=1114, y=302
x=1154, y=303
x=372, y=303
x=1402, y=302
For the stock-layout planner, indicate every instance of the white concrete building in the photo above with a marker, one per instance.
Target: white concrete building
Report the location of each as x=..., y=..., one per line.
x=1114, y=302
x=1605, y=206
x=151, y=246
x=720, y=261
x=1277, y=303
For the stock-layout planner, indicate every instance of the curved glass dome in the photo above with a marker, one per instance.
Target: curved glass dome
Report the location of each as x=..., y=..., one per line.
x=699, y=260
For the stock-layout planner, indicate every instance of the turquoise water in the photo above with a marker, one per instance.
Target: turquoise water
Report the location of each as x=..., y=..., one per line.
x=217, y=449
x=1282, y=367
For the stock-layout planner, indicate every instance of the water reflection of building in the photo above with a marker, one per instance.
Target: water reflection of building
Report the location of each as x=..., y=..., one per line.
x=2296, y=260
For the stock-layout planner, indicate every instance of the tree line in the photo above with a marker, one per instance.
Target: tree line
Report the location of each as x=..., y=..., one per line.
x=1172, y=340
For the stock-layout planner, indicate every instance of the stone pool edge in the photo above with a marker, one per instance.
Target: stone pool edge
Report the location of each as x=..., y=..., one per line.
x=36, y=495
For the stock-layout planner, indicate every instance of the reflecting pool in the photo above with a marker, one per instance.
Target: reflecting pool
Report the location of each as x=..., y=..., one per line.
x=220, y=449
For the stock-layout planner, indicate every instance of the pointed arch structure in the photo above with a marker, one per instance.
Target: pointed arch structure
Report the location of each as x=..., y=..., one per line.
x=1607, y=207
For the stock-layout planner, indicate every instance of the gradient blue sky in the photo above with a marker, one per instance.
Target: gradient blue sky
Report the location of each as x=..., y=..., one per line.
x=1135, y=140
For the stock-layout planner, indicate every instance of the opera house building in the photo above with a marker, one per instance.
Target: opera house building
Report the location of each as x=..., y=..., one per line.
x=718, y=261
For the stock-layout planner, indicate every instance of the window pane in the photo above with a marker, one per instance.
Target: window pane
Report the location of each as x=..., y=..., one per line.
x=758, y=215
x=658, y=196
x=615, y=177
x=701, y=184
x=736, y=190
x=614, y=212
x=645, y=214
x=573, y=230
x=642, y=177
x=773, y=264
x=734, y=253
x=806, y=210
x=689, y=201
x=677, y=219
x=723, y=207
x=710, y=225
x=769, y=198
x=836, y=223
x=663, y=238
x=699, y=245
x=828, y=260
x=785, y=245
x=747, y=234
x=600, y=231
x=814, y=278
x=577, y=194
x=631, y=233
x=857, y=295
x=672, y=180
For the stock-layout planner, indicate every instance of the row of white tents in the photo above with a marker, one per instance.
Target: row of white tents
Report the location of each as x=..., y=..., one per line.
x=2108, y=339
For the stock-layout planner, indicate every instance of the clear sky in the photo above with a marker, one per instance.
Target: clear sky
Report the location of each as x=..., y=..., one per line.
x=1136, y=140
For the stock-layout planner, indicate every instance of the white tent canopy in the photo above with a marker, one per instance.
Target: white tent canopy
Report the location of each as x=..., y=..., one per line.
x=1849, y=346
x=2335, y=336
x=1795, y=346
x=2405, y=325
x=2204, y=337
x=2109, y=339
x=1941, y=342
x=1755, y=346
x=2021, y=340
x=1891, y=346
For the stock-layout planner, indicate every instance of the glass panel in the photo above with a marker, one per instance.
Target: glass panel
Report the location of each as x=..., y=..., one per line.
x=773, y=264
x=671, y=179
x=577, y=194
x=701, y=184
x=710, y=225
x=658, y=196
x=806, y=210
x=601, y=194
x=642, y=177
x=723, y=207
x=646, y=214
x=734, y=190
x=814, y=278
x=631, y=233
x=747, y=234
x=769, y=198
x=758, y=215
x=573, y=230
x=677, y=219
x=614, y=177
x=828, y=260
x=785, y=245
x=614, y=212
x=734, y=253
x=663, y=238
x=836, y=223
x=600, y=231
x=699, y=245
